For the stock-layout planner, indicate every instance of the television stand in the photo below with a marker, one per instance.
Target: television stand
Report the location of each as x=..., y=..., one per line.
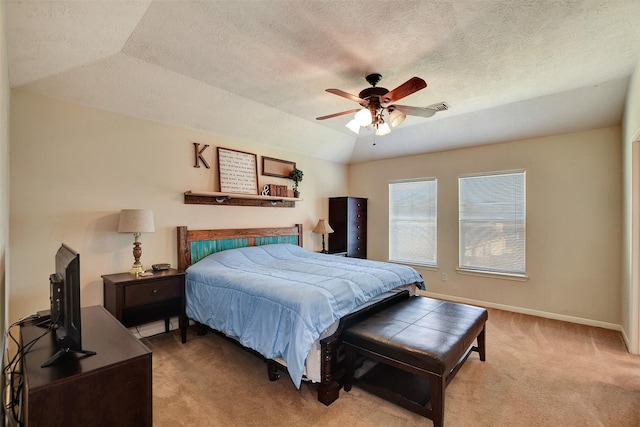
x=61, y=352
x=112, y=388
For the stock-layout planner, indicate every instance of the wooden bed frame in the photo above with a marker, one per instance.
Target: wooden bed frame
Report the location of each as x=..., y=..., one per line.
x=194, y=245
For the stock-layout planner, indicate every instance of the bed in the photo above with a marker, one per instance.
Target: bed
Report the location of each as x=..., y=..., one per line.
x=259, y=287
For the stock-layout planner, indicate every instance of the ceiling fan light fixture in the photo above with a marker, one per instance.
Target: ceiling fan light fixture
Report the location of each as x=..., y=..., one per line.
x=379, y=108
x=383, y=129
x=363, y=117
x=354, y=126
x=396, y=117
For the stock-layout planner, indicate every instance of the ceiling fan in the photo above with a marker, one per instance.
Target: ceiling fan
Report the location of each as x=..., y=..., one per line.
x=378, y=100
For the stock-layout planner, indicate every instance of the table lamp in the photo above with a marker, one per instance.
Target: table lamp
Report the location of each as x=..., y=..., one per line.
x=136, y=221
x=321, y=228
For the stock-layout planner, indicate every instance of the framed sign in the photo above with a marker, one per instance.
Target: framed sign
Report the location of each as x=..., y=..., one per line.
x=277, y=167
x=237, y=171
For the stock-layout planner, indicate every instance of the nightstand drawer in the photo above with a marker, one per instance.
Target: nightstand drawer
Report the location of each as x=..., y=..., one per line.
x=148, y=293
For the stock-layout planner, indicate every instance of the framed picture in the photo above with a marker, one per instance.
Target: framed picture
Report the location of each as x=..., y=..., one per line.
x=237, y=171
x=277, y=167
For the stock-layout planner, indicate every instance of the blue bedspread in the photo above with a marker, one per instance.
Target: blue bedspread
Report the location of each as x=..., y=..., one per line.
x=277, y=299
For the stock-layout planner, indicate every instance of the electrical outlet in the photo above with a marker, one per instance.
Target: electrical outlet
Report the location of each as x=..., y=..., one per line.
x=444, y=277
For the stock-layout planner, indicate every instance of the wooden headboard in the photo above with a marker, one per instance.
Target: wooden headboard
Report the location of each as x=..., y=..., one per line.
x=193, y=245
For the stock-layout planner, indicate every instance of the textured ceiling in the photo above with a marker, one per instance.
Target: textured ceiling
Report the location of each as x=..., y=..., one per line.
x=258, y=70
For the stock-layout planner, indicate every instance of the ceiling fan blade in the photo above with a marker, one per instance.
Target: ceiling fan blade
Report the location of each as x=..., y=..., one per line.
x=416, y=111
x=412, y=85
x=344, y=94
x=338, y=114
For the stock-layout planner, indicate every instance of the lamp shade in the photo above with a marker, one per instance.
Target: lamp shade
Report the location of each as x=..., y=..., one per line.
x=136, y=221
x=383, y=129
x=353, y=126
x=363, y=117
x=322, y=227
x=397, y=117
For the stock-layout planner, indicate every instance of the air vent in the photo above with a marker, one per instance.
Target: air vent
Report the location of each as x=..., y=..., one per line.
x=440, y=106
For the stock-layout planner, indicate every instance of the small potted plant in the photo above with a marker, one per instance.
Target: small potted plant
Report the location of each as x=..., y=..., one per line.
x=296, y=177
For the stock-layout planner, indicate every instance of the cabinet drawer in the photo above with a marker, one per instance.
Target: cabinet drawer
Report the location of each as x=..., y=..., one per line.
x=148, y=293
x=359, y=239
x=358, y=225
x=358, y=205
x=358, y=218
x=358, y=250
x=358, y=246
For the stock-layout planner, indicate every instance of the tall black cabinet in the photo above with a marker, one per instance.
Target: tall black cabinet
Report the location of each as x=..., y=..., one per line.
x=348, y=218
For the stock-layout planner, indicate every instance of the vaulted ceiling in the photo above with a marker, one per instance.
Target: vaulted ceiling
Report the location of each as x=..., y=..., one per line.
x=258, y=70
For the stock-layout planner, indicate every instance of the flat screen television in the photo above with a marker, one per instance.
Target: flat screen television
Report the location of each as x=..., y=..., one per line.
x=64, y=286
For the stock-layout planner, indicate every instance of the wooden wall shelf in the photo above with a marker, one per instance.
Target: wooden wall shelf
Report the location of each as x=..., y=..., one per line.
x=231, y=199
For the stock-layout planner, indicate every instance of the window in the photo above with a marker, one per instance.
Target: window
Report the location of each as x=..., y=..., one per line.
x=492, y=222
x=413, y=221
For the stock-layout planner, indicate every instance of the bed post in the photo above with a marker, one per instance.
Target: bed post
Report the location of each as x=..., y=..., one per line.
x=299, y=227
x=331, y=377
x=184, y=249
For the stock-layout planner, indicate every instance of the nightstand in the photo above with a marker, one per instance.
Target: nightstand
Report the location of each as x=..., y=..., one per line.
x=137, y=300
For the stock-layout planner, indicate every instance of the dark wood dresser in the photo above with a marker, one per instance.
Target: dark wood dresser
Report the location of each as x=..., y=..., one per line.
x=348, y=218
x=111, y=388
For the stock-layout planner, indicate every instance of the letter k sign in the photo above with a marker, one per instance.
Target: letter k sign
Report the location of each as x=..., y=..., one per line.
x=198, y=154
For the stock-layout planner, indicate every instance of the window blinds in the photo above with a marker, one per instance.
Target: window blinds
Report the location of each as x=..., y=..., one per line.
x=413, y=221
x=492, y=215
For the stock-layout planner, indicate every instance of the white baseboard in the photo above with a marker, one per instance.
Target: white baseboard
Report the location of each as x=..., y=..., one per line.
x=627, y=342
x=545, y=314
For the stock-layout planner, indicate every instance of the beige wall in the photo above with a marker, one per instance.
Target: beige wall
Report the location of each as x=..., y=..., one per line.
x=4, y=171
x=73, y=168
x=573, y=222
x=631, y=215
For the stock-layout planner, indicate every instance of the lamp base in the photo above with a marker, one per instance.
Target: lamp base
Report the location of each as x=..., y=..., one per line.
x=136, y=269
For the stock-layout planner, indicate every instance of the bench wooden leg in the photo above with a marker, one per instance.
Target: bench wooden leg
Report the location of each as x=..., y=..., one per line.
x=437, y=401
x=350, y=361
x=481, y=348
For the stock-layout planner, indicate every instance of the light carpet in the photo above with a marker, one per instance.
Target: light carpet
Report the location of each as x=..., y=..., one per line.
x=538, y=372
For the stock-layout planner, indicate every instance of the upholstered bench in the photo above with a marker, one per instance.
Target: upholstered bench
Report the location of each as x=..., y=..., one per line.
x=421, y=344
